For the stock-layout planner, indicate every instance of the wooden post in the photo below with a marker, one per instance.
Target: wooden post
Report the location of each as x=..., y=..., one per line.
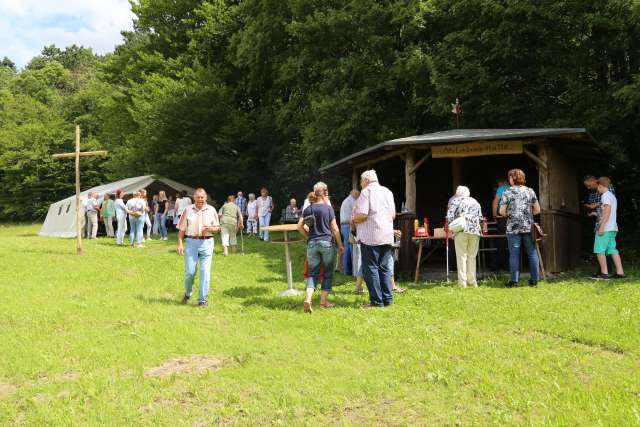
x=456, y=173
x=76, y=155
x=544, y=189
x=546, y=219
x=78, y=210
x=410, y=181
x=354, y=179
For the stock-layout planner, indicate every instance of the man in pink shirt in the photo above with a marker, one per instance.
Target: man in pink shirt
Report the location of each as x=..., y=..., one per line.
x=374, y=214
x=196, y=227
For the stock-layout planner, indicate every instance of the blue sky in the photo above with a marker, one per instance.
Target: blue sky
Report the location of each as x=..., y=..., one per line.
x=26, y=26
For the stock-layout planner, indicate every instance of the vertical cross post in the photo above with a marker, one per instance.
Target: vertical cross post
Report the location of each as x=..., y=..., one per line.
x=76, y=155
x=78, y=210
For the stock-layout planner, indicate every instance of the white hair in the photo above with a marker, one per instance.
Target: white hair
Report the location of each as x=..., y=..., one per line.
x=319, y=187
x=462, y=191
x=369, y=176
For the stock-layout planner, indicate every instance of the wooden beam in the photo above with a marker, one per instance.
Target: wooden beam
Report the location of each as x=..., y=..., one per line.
x=410, y=181
x=544, y=188
x=420, y=162
x=368, y=163
x=354, y=179
x=81, y=154
x=541, y=163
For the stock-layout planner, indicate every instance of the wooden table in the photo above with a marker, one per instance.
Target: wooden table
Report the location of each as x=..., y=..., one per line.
x=285, y=229
x=421, y=241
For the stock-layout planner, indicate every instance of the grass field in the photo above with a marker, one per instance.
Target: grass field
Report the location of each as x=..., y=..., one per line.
x=101, y=340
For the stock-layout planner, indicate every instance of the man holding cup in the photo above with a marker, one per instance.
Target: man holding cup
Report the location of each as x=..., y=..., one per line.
x=197, y=225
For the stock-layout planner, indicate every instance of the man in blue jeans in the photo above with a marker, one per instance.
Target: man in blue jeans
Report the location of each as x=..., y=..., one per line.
x=374, y=214
x=346, y=212
x=197, y=224
x=320, y=247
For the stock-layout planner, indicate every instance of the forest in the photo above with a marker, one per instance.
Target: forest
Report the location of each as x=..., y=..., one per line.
x=238, y=94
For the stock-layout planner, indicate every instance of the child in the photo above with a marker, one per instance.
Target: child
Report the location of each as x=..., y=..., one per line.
x=606, y=230
x=252, y=216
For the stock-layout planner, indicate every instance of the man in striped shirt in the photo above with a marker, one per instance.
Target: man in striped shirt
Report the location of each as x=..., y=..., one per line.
x=373, y=216
x=195, y=241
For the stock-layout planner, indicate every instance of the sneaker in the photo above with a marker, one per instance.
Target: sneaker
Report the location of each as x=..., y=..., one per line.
x=511, y=284
x=533, y=283
x=185, y=300
x=202, y=304
x=600, y=276
x=619, y=276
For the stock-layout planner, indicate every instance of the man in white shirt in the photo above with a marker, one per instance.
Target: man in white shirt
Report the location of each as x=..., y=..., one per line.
x=181, y=203
x=605, y=240
x=374, y=214
x=91, y=207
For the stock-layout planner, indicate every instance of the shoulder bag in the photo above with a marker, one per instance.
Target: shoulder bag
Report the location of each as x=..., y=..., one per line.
x=537, y=234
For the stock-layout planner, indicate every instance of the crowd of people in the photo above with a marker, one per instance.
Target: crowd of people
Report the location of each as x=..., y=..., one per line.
x=363, y=235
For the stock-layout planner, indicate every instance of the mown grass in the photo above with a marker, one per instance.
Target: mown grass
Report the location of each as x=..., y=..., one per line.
x=78, y=333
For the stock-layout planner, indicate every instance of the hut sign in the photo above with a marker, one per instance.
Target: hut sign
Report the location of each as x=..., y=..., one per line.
x=478, y=148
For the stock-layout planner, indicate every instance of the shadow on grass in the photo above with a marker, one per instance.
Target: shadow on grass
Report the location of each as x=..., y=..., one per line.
x=71, y=251
x=159, y=300
x=239, y=292
x=295, y=304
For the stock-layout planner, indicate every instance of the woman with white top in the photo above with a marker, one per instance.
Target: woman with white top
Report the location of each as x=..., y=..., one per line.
x=252, y=215
x=136, y=209
x=121, y=217
x=265, y=207
x=467, y=240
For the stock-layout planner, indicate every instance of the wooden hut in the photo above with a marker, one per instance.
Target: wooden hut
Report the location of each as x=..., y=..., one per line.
x=424, y=170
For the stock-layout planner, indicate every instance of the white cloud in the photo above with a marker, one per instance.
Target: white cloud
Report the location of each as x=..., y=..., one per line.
x=26, y=26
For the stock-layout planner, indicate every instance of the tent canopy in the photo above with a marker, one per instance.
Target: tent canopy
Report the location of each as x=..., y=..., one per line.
x=61, y=218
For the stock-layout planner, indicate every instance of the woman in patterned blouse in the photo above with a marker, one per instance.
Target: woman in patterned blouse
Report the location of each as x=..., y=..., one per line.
x=467, y=241
x=519, y=204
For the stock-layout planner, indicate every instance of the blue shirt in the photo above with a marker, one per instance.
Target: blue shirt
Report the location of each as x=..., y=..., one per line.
x=499, y=192
x=324, y=214
x=242, y=204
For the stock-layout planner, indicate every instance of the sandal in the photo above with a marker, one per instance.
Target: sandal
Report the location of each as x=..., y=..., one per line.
x=399, y=290
x=307, y=307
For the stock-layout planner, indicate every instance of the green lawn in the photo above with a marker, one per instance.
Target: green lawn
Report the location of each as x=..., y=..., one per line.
x=80, y=338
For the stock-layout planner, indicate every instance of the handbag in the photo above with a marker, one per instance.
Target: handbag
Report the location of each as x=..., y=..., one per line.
x=537, y=234
x=309, y=220
x=458, y=225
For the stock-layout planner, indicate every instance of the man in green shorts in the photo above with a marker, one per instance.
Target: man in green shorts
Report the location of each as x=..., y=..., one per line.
x=606, y=230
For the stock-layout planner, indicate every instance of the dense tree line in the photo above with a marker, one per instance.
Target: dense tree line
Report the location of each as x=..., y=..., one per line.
x=225, y=93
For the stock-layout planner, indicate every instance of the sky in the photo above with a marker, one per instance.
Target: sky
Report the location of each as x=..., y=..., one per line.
x=26, y=26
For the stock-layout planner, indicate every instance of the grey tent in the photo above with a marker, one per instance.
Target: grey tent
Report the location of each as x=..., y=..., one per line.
x=61, y=218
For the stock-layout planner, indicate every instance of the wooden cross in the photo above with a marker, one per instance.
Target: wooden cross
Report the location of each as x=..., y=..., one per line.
x=77, y=154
